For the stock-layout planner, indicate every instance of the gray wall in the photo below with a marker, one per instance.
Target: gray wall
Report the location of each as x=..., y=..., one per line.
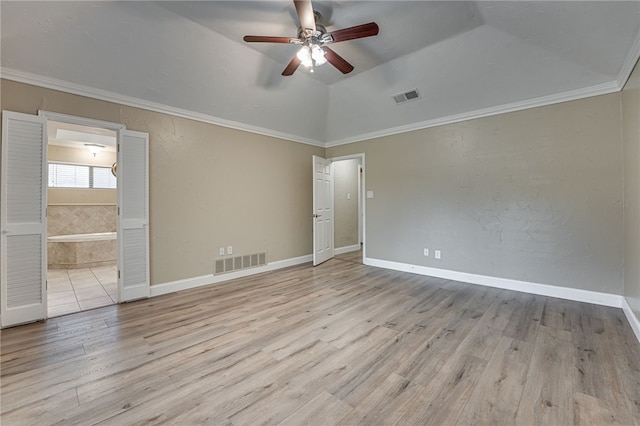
x=346, y=210
x=533, y=195
x=631, y=136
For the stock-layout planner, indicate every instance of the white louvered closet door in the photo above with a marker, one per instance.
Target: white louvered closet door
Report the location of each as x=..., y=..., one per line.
x=23, y=262
x=133, y=215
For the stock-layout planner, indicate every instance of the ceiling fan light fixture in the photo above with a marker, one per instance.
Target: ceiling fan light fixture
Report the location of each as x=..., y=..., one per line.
x=313, y=37
x=304, y=54
x=317, y=54
x=311, y=55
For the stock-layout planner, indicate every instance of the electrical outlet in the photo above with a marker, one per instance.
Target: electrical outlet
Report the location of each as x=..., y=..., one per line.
x=437, y=254
x=221, y=251
x=426, y=252
x=229, y=249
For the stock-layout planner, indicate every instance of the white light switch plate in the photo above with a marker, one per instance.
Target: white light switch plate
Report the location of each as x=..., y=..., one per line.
x=369, y=194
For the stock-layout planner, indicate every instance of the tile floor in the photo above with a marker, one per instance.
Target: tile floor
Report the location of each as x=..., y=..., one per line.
x=75, y=290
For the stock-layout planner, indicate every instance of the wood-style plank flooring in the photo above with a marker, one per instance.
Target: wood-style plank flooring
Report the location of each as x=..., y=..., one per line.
x=341, y=343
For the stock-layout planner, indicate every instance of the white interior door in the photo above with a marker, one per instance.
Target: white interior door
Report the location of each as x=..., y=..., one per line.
x=322, y=210
x=133, y=215
x=23, y=238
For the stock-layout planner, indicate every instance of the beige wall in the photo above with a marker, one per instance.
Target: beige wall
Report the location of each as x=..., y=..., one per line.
x=346, y=209
x=79, y=195
x=534, y=195
x=631, y=136
x=210, y=186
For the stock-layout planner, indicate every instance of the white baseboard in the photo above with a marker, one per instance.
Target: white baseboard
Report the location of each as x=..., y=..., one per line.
x=185, y=284
x=605, y=299
x=634, y=322
x=346, y=249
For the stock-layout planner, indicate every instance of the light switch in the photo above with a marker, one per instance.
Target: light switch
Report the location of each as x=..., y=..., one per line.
x=369, y=194
x=348, y=196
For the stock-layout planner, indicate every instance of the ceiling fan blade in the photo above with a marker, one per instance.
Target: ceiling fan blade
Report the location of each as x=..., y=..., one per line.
x=359, y=31
x=269, y=39
x=305, y=15
x=292, y=66
x=337, y=61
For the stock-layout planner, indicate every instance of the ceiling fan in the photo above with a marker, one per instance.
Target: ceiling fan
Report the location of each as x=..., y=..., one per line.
x=314, y=38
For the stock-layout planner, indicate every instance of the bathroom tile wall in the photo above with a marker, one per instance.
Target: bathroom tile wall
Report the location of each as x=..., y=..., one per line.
x=80, y=219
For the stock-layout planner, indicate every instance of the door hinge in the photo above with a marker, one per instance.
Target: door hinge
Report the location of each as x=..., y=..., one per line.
x=118, y=211
x=118, y=147
x=118, y=273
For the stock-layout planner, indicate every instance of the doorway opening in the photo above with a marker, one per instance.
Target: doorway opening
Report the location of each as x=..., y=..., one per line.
x=81, y=217
x=349, y=207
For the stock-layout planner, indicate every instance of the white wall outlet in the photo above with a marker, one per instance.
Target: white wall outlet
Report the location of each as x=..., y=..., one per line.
x=369, y=194
x=229, y=249
x=437, y=254
x=426, y=252
x=221, y=251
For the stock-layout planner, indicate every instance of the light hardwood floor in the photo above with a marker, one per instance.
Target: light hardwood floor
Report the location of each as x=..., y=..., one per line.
x=341, y=343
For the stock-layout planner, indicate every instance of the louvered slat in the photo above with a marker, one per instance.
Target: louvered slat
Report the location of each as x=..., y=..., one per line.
x=133, y=198
x=24, y=182
x=22, y=262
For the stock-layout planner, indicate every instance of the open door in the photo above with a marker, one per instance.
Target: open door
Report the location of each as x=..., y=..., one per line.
x=133, y=215
x=322, y=210
x=23, y=238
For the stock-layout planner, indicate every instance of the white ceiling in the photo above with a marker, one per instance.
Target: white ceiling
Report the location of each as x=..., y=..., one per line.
x=465, y=58
x=77, y=136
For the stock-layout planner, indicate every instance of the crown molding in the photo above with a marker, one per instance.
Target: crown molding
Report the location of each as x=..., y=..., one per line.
x=599, y=89
x=629, y=62
x=76, y=89
x=104, y=95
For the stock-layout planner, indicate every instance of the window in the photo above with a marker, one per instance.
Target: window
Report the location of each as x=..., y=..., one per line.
x=75, y=176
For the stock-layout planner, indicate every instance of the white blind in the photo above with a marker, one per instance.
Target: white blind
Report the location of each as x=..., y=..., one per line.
x=68, y=176
x=103, y=178
x=75, y=176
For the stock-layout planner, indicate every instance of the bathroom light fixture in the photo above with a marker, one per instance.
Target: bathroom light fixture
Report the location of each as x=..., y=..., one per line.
x=94, y=148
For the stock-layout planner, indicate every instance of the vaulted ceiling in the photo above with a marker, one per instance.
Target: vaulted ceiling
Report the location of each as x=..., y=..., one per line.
x=466, y=59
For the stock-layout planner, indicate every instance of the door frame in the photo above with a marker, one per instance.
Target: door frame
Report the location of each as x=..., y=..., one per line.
x=83, y=121
x=362, y=205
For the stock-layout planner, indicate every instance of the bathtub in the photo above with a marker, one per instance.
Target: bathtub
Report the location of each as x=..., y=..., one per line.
x=77, y=251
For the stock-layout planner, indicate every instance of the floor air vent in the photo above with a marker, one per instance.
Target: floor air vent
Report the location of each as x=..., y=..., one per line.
x=411, y=95
x=237, y=263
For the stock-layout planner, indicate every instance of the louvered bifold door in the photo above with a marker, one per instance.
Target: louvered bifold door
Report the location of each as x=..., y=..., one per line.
x=133, y=215
x=23, y=265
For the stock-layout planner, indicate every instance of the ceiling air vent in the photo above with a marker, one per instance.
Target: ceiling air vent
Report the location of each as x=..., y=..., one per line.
x=411, y=95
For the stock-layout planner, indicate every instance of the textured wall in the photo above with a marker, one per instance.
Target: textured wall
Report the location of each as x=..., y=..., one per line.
x=346, y=210
x=534, y=195
x=631, y=136
x=210, y=186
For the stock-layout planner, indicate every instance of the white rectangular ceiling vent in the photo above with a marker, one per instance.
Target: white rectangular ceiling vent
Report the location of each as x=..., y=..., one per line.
x=411, y=95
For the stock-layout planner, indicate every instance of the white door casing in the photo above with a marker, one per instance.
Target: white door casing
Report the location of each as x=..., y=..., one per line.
x=23, y=237
x=133, y=215
x=322, y=210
